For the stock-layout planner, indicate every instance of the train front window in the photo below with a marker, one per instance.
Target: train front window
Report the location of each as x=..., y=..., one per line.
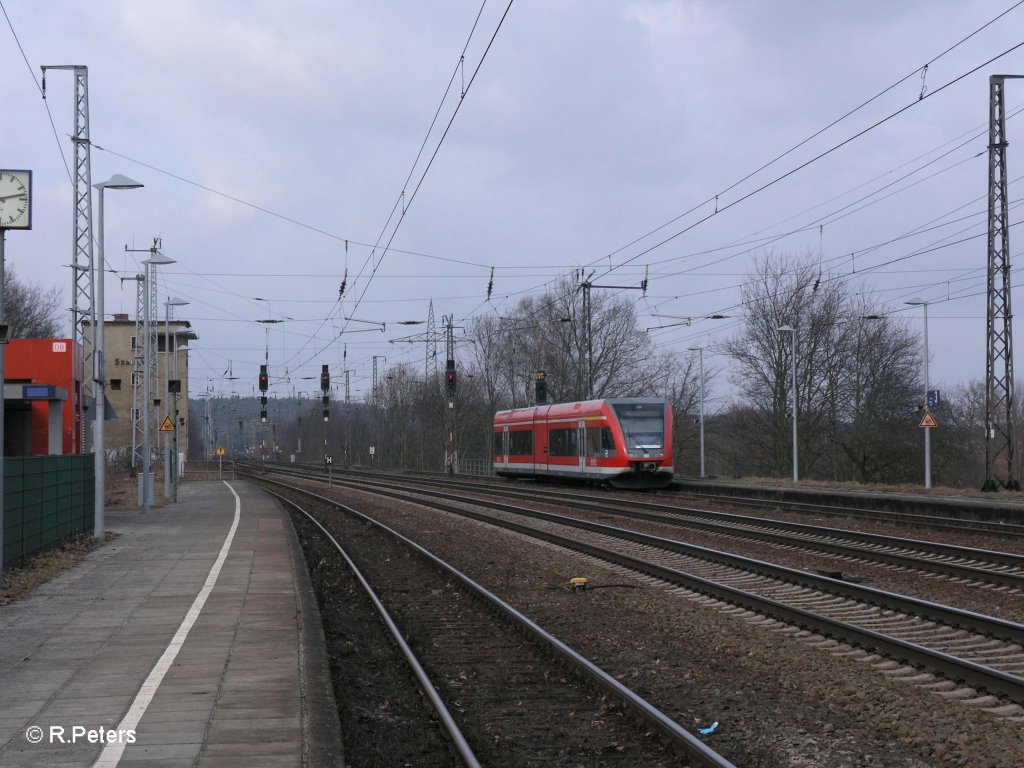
x=643, y=427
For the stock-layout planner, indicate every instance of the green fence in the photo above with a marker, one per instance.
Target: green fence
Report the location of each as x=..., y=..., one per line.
x=46, y=500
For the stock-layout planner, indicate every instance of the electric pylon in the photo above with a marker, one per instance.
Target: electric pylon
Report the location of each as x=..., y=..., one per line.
x=1000, y=468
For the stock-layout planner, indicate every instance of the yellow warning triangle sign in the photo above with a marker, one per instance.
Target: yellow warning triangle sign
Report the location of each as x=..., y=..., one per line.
x=168, y=426
x=927, y=421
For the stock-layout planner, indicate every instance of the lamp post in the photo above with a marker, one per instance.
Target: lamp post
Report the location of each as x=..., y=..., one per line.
x=168, y=473
x=174, y=474
x=117, y=181
x=156, y=260
x=796, y=471
x=700, y=350
x=914, y=302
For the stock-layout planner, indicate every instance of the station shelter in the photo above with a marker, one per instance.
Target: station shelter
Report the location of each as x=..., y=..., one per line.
x=42, y=384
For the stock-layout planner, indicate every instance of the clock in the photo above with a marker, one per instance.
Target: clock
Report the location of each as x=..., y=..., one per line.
x=15, y=199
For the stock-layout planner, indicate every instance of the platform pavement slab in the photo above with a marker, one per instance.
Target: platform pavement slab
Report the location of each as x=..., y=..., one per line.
x=250, y=684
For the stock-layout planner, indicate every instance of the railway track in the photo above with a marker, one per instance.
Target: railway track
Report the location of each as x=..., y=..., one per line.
x=966, y=564
x=983, y=653
x=499, y=697
x=1007, y=526
x=970, y=566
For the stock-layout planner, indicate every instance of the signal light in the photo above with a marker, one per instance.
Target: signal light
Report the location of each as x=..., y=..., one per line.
x=326, y=414
x=450, y=383
x=540, y=388
x=264, y=379
x=325, y=379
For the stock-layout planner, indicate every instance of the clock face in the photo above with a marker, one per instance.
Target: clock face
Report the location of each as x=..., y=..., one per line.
x=15, y=199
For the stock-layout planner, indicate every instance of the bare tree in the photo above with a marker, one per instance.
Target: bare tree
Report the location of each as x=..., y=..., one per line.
x=548, y=333
x=784, y=291
x=856, y=369
x=31, y=311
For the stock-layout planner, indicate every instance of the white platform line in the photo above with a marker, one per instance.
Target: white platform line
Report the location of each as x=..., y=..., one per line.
x=111, y=754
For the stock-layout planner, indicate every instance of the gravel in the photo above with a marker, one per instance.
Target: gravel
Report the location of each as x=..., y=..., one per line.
x=780, y=698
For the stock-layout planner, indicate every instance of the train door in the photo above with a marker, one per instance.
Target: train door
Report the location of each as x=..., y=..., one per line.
x=581, y=445
x=540, y=444
x=503, y=446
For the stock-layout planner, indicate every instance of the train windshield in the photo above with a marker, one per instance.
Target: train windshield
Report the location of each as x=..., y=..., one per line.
x=643, y=426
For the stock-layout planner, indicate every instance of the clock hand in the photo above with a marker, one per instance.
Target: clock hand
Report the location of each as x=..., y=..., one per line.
x=8, y=197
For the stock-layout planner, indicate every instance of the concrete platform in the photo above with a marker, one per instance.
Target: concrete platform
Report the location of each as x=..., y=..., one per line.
x=195, y=633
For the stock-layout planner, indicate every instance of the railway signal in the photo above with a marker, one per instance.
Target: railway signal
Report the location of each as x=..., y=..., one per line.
x=325, y=387
x=264, y=383
x=540, y=388
x=450, y=378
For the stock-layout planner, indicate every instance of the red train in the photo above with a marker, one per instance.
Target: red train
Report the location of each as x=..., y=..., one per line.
x=624, y=441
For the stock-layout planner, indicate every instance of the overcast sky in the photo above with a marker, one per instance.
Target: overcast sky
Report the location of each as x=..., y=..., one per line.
x=275, y=140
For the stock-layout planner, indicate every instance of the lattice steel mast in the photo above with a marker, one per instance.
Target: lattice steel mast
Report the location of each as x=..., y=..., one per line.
x=1000, y=468
x=81, y=235
x=430, y=370
x=141, y=421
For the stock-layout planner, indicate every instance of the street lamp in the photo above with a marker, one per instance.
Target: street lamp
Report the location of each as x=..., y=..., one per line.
x=175, y=302
x=796, y=471
x=701, y=351
x=117, y=181
x=177, y=351
x=914, y=302
x=156, y=260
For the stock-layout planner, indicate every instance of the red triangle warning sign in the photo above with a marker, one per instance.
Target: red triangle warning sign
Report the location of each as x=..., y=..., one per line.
x=168, y=426
x=928, y=420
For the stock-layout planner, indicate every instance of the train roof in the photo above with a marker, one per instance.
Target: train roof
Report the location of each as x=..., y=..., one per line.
x=579, y=407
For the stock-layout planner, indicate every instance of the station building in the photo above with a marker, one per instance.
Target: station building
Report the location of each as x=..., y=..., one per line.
x=48, y=469
x=123, y=364
x=42, y=386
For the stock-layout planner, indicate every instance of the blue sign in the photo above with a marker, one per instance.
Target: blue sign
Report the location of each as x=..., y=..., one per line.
x=933, y=398
x=37, y=391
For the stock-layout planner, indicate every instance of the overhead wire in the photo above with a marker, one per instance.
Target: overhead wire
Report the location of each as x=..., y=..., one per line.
x=818, y=133
x=814, y=159
x=426, y=170
x=39, y=88
x=921, y=97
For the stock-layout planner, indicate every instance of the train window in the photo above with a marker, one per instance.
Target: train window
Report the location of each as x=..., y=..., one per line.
x=520, y=443
x=600, y=442
x=564, y=442
x=643, y=426
x=499, y=449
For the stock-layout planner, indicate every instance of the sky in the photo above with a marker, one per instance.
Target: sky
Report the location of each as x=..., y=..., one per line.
x=410, y=149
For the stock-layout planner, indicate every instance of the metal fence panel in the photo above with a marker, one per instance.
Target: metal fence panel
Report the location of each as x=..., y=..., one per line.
x=47, y=499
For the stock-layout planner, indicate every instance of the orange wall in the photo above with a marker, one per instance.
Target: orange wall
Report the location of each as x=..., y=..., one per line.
x=47, y=361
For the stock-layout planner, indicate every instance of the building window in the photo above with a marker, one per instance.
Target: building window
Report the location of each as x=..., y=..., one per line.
x=115, y=384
